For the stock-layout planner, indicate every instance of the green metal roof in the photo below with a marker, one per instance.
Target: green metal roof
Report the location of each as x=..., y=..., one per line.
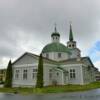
x=55, y=47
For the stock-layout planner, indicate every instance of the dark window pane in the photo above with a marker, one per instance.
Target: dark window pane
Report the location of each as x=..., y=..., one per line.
x=59, y=55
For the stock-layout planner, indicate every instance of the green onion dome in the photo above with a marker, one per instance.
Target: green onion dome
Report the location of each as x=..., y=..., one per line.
x=55, y=47
x=55, y=34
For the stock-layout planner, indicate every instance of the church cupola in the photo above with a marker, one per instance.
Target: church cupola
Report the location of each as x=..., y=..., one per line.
x=71, y=43
x=55, y=36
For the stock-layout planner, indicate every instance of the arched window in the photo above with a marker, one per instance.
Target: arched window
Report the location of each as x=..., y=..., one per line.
x=73, y=45
x=69, y=45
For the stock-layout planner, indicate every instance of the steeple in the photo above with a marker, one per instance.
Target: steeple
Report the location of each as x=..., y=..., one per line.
x=55, y=35
x=55, y=28
x=71, y=34
x=71, y=43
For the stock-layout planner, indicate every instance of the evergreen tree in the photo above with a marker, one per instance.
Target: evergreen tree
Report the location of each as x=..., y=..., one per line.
x=39, y=83
x=8, y=80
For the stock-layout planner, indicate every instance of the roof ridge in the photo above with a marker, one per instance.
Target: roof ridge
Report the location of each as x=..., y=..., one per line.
x=32, y=54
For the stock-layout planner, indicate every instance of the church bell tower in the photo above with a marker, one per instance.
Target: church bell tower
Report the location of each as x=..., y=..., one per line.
x=71, y=43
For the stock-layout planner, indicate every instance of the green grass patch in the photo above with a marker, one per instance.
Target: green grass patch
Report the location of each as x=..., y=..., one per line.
x=52, y=89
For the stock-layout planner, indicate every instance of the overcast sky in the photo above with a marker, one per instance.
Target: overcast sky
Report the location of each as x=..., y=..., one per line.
x=26, y=25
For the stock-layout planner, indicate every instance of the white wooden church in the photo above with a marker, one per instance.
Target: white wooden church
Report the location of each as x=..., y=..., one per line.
x=63, y=65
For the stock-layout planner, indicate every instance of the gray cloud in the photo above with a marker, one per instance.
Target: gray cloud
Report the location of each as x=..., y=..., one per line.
x=26, y=25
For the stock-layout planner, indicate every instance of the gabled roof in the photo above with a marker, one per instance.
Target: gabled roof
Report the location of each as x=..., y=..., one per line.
x=26, y=53
x=87, y=59
x=62, y=69
x=69, y=61
x=33, y=55
x=75, y=60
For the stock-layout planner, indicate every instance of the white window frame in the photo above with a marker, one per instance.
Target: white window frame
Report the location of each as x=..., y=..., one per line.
x=25, y=74
x=34, y=73
x=72, y=74
x=17, y=71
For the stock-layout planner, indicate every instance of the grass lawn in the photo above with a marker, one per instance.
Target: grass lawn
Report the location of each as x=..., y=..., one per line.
x=52, y=89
